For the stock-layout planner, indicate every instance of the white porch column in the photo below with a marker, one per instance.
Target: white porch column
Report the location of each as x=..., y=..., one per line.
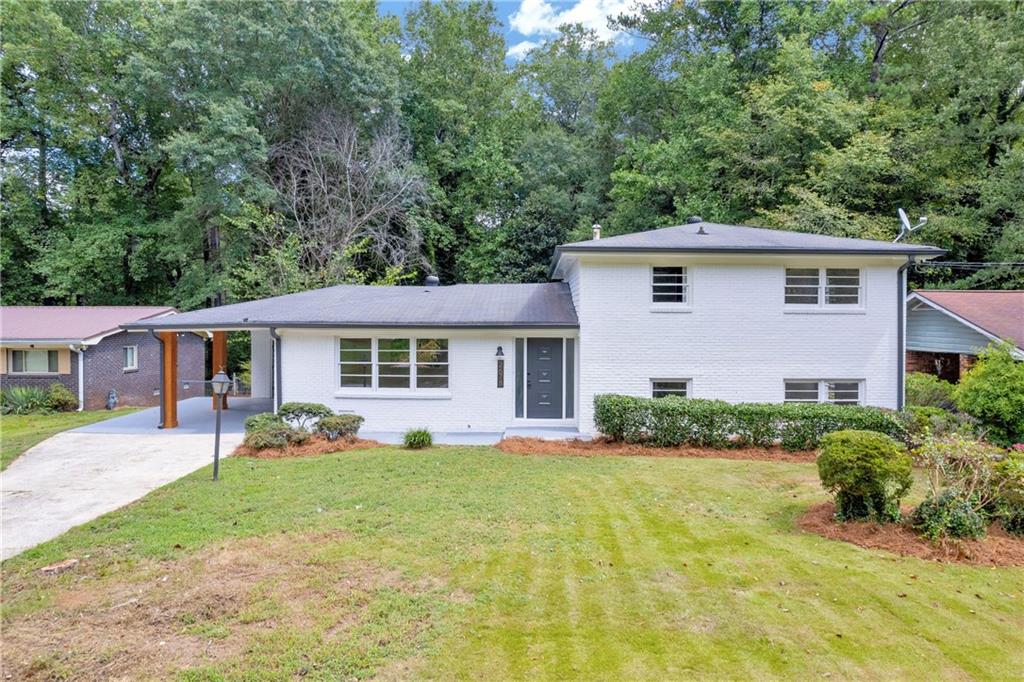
x=262, y=348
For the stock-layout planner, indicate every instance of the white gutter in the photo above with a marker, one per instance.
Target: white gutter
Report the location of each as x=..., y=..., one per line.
x=81, y=376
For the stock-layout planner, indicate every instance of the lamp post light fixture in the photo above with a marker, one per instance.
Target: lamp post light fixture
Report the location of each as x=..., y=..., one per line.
x=221, y=383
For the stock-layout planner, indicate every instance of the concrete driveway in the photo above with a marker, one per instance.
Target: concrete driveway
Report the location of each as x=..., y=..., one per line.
x=75, y=476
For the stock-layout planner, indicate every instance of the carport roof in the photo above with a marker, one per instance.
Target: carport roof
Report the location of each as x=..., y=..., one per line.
x=460, y=305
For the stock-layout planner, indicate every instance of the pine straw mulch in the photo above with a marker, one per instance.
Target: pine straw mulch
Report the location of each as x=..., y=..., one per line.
x=997, y=548
x=603, y=447
x=316, y=445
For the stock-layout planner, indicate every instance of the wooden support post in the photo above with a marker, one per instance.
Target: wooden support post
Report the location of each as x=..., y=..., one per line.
x=220, y=362
x=169, y=390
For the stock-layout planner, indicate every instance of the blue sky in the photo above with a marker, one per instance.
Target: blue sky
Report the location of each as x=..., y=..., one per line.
x=528, y=23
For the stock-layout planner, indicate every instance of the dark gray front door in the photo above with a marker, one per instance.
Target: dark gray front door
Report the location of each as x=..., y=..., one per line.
x=544, y=378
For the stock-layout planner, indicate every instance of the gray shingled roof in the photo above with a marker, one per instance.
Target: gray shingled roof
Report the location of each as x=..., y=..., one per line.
x=459, y=305
x=741, y=239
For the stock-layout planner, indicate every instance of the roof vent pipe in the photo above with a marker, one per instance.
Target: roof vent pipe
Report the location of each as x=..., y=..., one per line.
x=431, y=281
x=597, y=231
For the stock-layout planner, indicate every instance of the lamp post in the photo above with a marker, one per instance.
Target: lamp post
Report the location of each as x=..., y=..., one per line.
x=221, y=383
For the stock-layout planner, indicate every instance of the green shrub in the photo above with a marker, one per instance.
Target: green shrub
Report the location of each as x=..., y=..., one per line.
x=1008, y=479
x=867, y=472
x=416, y=439
x=23, y=400
x=674, y=421
x=928, y=390
x=60, y=399
x=303, y=415
x=262, y=421
x=993, y=392
x=948, y=515
x=922, y=422
x=339, y=426
x=268, y=437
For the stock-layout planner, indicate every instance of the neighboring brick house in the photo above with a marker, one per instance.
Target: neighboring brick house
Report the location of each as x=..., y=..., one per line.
x=40, y=345
x=947, y=329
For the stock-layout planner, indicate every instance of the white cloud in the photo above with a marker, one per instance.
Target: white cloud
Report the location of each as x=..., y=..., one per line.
x=519, y=50
x=539, y=17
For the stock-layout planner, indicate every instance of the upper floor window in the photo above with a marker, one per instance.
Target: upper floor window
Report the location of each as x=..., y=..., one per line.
x=130, y=358
x=823, y=286
x=669, y=285
x=393, y=363
x=34, y=362
x=837, y=391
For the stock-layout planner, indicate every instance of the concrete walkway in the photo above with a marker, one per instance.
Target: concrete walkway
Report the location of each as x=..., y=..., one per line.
x=75, y=476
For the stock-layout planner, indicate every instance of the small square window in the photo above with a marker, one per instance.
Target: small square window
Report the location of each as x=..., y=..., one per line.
x=669, y=285
x=130, y=358
x=665, y=387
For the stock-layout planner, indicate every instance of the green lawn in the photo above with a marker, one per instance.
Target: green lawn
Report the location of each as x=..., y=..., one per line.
x=470, y=563
x=19, y=432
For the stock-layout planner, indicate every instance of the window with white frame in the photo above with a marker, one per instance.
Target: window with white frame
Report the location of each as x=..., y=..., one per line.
x=34, y=362
x=836, y=391
x=664, y=387
x=823, y=287
x=393, y=363
x=130, y=358
x=669, y=285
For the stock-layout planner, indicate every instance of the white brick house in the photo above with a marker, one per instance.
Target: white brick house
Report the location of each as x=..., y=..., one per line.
x=702, y=309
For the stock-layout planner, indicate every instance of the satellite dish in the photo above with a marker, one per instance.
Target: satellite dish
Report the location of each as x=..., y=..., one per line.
x=905, y=226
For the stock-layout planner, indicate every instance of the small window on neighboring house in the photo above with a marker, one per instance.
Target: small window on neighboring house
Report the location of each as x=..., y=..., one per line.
x=34, y=362
x=131, y=358
x=663, y=387
x=822, y=287
x=837, y=391
x=669, y=285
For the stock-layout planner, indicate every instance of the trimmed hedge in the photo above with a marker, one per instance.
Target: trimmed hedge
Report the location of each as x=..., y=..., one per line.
x=673, y=421
x=337, y=426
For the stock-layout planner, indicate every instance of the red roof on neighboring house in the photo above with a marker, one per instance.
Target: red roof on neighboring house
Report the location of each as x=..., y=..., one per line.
x=70, y=323
x=998, y=312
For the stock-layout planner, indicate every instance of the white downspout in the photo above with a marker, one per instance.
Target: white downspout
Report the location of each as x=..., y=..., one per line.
x=81, y=376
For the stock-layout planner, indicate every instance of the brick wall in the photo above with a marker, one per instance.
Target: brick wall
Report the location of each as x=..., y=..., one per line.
x=943, y=365
x=104, y=369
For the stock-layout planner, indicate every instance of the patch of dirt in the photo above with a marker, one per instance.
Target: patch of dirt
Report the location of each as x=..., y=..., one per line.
x=603, y=447
x=317, y=445
x=163, y=616
x=997, y=548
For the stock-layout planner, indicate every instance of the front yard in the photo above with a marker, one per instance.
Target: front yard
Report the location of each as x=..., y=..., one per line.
x=472, y=563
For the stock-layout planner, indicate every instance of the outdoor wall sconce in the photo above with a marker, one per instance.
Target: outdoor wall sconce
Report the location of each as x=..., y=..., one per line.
x=501, y=367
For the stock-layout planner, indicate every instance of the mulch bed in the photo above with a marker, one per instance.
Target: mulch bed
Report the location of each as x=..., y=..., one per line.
x=997, y=548
x=602, y=447
x=316, y=445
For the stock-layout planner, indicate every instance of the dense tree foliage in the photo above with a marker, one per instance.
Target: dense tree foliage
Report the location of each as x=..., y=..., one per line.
x=197, y=153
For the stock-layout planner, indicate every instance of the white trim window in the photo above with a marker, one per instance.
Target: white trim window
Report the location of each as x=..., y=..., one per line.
x=823, y=287
x=34, y=362
x=670, y=285
x=665, y=387
x=835, y=391
x=389, y=364
x=130, y=358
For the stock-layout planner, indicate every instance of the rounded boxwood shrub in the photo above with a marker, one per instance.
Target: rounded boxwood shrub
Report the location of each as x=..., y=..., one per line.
x=303, y=415
x=268, y=437
x=416, y=439
x=262, y=420
x=339, y=426
x=868, y=473
x=60, y=399
x=948, y=515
